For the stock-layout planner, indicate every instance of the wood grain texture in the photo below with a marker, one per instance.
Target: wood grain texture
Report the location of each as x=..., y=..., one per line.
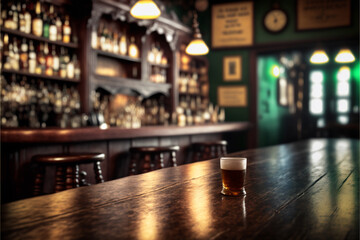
x=56, y=135
x=302, y=190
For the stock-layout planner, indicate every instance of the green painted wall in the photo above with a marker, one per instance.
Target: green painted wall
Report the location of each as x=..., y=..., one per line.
x=262, y=36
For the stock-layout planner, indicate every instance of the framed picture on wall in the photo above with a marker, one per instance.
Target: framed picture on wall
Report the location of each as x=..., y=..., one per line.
x=321, y=14
x=232, y=24
x=232, y=68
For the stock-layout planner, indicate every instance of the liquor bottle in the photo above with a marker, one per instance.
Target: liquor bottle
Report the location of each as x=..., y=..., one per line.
x=32, y=58
x=41, y=61
x=58, y=28
x=22, y=18
x=3, y=17
x=46, y=25
x=49, y=61
x=56, y=61
x=66, y=31
x=116, y=43
x=123, y=44
x=15, y=56
x=109, y=42
x=6, y=52
x=15, y=16
x=63, y=63
x=77, y=70
x=24, y=64
x=37, y=23
x=27, y=18
x=70, y=73
x=52, y=26
x=9, y=22
x=133, y=49
x=103, y=39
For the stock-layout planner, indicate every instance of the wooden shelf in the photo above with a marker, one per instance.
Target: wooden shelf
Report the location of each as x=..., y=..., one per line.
x=42, y=39
x=34, y=75
x=117, y=56
x=116, y=84
x=56, y=135
x=160, y=65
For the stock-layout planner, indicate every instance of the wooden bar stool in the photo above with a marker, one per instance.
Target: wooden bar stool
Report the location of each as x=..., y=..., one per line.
x=67, y=169
x=208, y=150
x=146, y=159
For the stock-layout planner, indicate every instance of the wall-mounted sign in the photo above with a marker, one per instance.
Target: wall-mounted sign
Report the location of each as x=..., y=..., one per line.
x=317, y=14
x=232, y=24
x=232, y=96
x=232, y=68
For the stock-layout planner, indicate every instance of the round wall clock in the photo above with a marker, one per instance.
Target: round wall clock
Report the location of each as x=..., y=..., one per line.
x=275, y=20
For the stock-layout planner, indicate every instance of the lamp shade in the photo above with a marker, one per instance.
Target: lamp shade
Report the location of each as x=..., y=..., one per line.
x=197, y=47
x=319, y=57
x=145, y=9
x=345, y=56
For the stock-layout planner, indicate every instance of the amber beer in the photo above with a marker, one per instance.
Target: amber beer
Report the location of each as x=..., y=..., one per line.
x=233, y=172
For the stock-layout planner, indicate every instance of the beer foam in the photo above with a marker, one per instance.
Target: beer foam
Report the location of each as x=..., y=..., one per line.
x=233, y=163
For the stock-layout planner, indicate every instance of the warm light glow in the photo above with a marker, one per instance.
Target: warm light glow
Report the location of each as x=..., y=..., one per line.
x=276, y=71
x=145, y=9
x=343, y=119
x=319, y=57
x=345, y=56
x=197, y=47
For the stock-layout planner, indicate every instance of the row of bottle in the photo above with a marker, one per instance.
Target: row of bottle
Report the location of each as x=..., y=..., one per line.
x=39, y=20
x=188, y=83
x=156, y=55
x=158, y=75
x=114, y=41
x=48, y=60
x=38, y=104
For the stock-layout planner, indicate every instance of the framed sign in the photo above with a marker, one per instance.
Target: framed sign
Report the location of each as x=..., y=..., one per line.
x=232, y=24
x=232, y=68
x=319, y=14
x=232, y=96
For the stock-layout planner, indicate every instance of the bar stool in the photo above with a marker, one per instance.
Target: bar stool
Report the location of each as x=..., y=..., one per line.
x=146, y=159
x=208, y=150
x=67, y=169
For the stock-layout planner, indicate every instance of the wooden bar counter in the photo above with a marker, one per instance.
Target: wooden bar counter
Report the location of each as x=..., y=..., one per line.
x=303, y=190
x=20, y=145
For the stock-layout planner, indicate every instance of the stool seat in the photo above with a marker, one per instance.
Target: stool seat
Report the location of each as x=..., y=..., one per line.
x=208, y=150
x=146, y=159
x=67, y=169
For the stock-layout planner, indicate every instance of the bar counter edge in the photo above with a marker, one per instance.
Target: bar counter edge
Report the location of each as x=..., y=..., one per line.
x=56, y=135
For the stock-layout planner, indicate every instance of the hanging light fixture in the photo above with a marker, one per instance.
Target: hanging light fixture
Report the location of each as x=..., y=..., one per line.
x=344, y=56
x=197, y=46
x=319, y=57
x=145, y=9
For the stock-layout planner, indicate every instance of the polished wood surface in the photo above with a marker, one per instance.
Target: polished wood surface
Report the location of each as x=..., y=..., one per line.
x=57, y=135
x=303, y=190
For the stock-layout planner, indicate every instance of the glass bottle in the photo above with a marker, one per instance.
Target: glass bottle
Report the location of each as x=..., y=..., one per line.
x=70, y=73
x=41, y=61
x=58, y=28
x=15, y=56
x=52, y=26
x=56, y=61
x=32, y=58
x=6, y=52
x=66, y=30
x=27, y=18
x=123, y=44
x=22, y=18
x=37, y=23
x=46, y=25
x=77, y=70
x=133, y=49
x=24, y=64
x=63, y=63
x=49, y=61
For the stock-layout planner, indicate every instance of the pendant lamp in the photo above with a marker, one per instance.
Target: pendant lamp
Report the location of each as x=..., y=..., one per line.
x=345, y=56
x=145, y=9
x=197, y=46
x=319, y=57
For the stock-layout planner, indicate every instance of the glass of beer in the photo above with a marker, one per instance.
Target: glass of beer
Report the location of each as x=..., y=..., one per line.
x=233, y=172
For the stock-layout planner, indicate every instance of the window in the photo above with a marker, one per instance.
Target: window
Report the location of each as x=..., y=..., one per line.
x=316, y=93
x=343, y=95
